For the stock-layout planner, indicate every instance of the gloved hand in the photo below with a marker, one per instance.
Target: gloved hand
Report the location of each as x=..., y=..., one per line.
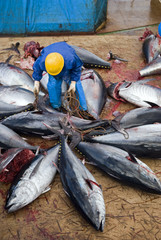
x=72, y=86
x=36, y=88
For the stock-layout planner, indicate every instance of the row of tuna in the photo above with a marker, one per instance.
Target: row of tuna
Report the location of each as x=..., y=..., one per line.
x=112, y=146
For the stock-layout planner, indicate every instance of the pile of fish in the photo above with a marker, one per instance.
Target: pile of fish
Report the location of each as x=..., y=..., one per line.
x=112, y=146
x=151, y=50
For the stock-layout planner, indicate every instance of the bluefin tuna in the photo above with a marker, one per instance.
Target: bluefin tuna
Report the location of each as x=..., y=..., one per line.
x=137, y=117
x=10, y=139
x=12, y=75
x=80, y=185
x=16, y=95
x=33, y=180
x=95, y=92
x=120, y=165
x=151, y=47
x=138, y=93
x=32, y=122
x=153, y=68
x=89, y=59
x=142, y=141
x=7, y=110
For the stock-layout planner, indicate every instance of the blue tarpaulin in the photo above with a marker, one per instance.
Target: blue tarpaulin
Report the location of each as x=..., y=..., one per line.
x=29, y=16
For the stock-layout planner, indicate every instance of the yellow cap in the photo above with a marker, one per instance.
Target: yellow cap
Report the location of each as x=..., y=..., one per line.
x=54, y=63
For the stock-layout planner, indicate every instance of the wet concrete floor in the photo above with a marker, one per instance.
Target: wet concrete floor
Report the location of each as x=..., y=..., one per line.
x=128, y=14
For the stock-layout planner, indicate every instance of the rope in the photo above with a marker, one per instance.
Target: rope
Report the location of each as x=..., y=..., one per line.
x=73, y=107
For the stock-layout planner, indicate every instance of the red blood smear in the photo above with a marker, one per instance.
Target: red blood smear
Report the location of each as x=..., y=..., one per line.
x=123, y=73
x=11, y=170
x=146, y=34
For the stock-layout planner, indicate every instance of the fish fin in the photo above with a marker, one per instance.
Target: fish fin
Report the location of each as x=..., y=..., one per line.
x=14, y=47
x=36, y=111
x=25, y=139
x=76, y=136
x=76, y=139
x=116, y=125
x=38, y=150
x=35, y=168
x=8, y=59
x=152, y=104
x=90, y=184
x=132, y=158
x=58, y=132
x=12, y=153
x=55, y=165
x=46, y=189
x=50, y=137
x=66, y=192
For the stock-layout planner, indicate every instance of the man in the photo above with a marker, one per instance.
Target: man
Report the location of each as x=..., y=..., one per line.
x=159, y=29
x=62, y=63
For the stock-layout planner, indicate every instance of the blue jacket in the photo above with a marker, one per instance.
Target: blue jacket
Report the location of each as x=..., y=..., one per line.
x=72, y=63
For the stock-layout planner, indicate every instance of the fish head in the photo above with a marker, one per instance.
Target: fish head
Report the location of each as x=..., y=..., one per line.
x=113, y=90
x=13, y=203
x=100, y=221
x=20, y=196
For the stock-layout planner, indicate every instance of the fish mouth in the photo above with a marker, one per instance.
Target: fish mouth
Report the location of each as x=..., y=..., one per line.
x=100, y=224
x=113, y=91
x=10, y=207
x=101, y=228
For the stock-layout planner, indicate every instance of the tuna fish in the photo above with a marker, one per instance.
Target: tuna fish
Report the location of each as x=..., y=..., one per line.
x=33, y=180
x=11, y=154
x=133, y=118
x=95, y=92
x=7, y=110
x=10, y=139
x=151, y=47
x=152, y=68
x=138, y=93
x=14, y=99
x=142, y=141
x=31, y=122
x=16, y=95
x=80, y=185
x=89, y=59
x=120, y=165
x=137, y=117
x=11, y=75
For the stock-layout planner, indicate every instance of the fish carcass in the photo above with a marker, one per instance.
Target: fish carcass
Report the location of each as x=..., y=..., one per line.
x=14, y=99
x=142, y=141
x=33, y=180
x=153, y=68
x=10, y=139
x=95, y=92
x=90, y=59
x=151, y=47
x=12, y=75
x=133, y=118
x=7, y=110
x=32, y=122
x=120, y=165
x=138, y=93
x=16, y=95
x=137, y=117
x=80, y=185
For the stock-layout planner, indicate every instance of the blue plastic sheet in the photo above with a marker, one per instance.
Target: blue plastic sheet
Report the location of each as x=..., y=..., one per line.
x=29, y=16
